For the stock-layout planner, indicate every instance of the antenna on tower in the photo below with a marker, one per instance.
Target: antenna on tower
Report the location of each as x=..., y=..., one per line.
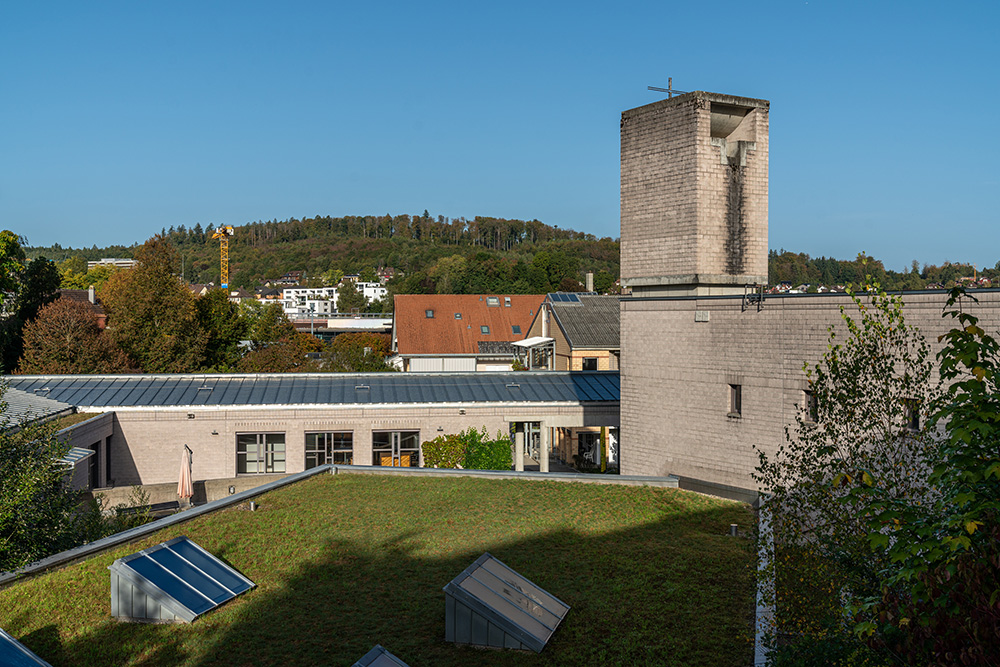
x=669, y=90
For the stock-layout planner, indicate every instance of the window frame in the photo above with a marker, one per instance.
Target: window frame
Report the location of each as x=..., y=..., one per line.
x=266, y=454
x=328, y=451
x=588, y=360
x=735, y=401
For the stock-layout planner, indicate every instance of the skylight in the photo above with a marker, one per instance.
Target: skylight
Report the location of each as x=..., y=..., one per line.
x=173, y=581
x=490, y=604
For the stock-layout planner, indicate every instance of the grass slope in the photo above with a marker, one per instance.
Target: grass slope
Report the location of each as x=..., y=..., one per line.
x=345, y=562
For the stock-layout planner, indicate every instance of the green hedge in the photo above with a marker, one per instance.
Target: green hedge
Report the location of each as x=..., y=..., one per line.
x=470, y=449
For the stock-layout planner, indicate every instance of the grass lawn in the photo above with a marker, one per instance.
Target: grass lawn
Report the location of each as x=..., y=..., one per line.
x=345, y=562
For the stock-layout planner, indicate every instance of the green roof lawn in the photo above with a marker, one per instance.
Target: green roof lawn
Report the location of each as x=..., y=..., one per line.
x=345, y=562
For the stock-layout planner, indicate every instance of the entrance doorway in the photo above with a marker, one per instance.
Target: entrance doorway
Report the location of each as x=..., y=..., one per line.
x=396, y=448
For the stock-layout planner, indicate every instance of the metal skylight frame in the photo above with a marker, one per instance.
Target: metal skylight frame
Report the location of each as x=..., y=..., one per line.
x=173, y=580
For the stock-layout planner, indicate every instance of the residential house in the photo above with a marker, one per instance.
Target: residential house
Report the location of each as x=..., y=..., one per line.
x=460, y=332
x=584, y=328
x=90, y=297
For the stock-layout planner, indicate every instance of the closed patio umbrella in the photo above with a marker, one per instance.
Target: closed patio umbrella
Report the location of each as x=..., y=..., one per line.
x=185, y=487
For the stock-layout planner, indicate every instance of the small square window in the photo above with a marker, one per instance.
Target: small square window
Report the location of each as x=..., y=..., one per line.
x=484, y=329
x=506, y=302
x=590, y=363
x=493, y=301
x=516, y=328
x=810, y=406
x=458, y=316
x=429, y=313
x=735, y=400
x=912, y=414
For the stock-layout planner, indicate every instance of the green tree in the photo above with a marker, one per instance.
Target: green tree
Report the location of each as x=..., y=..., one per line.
x=349, y=298
x=38, y=513
x=939, y=602
x=37, y=282
x=358, y=353
x=152, y=314
x=11, y=261
x=861, y=425
x=224, y=327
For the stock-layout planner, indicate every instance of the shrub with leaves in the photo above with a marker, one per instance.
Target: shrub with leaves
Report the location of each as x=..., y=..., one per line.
x=483, y=453
x=469, y=449
x=941, y=600
x=862, y=425
x=444, y=451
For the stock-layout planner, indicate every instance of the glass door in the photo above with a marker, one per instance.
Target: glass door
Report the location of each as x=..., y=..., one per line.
x=396, y=448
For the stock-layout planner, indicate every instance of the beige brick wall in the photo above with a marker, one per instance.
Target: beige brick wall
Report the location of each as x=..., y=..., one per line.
x=678, y=193
x=676, y=373
x=147, y=444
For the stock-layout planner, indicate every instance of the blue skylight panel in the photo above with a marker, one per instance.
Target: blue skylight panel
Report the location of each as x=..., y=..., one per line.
x=15, y=654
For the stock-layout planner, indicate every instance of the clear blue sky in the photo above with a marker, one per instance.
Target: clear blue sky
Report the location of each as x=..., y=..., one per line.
x=120, y=118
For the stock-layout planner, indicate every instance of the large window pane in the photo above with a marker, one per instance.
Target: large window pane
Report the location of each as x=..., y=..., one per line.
x=258, y=453
x=332, y=447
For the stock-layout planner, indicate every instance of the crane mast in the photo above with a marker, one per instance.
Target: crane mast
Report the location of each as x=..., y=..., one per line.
x=223, y=233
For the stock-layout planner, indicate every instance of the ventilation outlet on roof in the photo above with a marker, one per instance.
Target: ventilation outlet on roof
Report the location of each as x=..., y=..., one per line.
x=490, y=604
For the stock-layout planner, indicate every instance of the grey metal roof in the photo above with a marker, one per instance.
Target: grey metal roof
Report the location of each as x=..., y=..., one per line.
x=26, y=405
x=111, y=391
x=593, y=322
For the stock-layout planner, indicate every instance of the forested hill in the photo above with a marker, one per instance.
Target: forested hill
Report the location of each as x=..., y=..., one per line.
x=462, y=256
x=435, y=254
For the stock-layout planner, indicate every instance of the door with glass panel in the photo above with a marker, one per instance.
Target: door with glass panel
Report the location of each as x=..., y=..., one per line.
x=260, y=453
x=330, y=447
x=396, y=448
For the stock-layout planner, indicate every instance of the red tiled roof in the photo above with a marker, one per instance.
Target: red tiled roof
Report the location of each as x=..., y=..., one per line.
x=443, y=334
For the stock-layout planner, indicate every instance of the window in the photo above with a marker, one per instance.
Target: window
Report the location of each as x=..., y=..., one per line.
x=484, y=329
x=429, y=314
x=516, y=328
x=590, y=363
x=458, y=316
x=735, y=400
x=506, y=303
x=396, y=448
x=492, y=302
x=334, y=447
x=259, y=453
x=912, y=414
x=810, y=405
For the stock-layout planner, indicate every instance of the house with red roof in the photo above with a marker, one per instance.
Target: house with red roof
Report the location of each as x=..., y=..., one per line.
x=460, y=332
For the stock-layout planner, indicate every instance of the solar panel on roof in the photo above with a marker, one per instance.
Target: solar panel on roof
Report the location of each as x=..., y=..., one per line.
x=490, y=604
x=15, y=654
x=175, y=580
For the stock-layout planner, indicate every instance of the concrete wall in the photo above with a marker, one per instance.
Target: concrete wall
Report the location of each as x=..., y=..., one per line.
x=676, y=373
x=146, y=445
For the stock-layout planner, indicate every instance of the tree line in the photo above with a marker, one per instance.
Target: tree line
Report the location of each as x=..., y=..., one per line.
x=156, y=324
x=801, y=269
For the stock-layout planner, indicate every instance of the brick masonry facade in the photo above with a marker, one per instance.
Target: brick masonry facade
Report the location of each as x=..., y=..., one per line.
x=676, y=372
x=146, y=445
x=694, y=189
x=694, y=193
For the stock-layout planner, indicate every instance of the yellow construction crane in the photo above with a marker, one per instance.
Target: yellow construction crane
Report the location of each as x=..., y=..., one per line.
x=223, y=233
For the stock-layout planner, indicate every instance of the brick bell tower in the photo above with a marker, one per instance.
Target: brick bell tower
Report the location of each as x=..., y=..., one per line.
x=694, y=195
